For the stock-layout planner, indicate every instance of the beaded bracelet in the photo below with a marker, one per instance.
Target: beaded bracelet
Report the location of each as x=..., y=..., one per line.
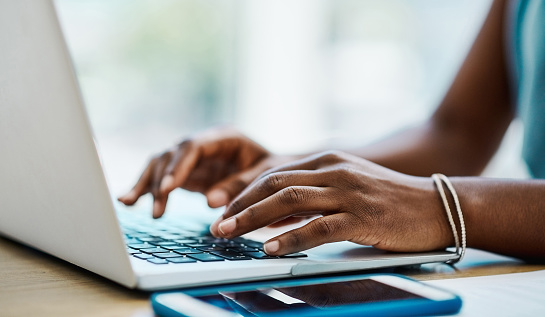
x=439, y=179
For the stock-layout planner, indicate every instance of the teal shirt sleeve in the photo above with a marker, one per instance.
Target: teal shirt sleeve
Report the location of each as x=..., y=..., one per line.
x=528, y=52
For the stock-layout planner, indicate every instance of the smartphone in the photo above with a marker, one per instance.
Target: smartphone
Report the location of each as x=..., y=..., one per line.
x=355, y=295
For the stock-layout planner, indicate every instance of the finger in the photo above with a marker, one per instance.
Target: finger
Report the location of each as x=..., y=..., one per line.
x=159, y=206
x=225, y=190
x=206, y=174
x=177, y=171
x=273, y=183
x=307, y=163
x=290, y=201
x=332, y=228
x=141, y=187
x=159, y=199
x=311, y=162
x=265, y=188
x=274, y=179
x=289, y=221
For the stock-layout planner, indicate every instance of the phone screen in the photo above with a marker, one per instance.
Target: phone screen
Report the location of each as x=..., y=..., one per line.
x=314, y=296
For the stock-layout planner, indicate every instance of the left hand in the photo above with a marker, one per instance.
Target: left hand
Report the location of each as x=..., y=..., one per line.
x=359, y=201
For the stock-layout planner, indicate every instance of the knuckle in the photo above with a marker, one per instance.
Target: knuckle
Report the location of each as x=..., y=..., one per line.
x=186, y=143
x=332, y=156
x=295, y=239
x=160, y=157
x=268, y=172
x=349, y=177
x=345, y=166
x=165, y=155
x=344, y=170
x=324, y=228
x=249, y=215
x=293, y=195
x=236, y=206
x=272, y=182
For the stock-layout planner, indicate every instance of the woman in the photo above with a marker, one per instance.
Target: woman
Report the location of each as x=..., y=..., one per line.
x=382, y=195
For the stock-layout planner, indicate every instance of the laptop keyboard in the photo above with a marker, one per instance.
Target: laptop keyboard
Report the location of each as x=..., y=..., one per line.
x=172, y=245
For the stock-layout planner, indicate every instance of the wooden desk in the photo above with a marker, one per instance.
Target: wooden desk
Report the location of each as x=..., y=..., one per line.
x=35, y=284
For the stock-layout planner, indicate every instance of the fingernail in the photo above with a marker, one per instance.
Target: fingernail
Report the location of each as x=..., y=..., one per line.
x=217, y=198
x=214, y=227
x=271, y=247
x=227, y=226
x=167, y=183
x=216, y=223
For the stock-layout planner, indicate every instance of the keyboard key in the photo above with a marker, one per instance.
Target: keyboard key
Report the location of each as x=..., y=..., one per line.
x=259, y=255
x=169, y=236
x=132, y=241
x=253, y=244
x=210, y=249
x=187, y=251
x=243, y=248
x=164, y=243
x=184, y=241
x=155, y=234
x=227, y=244
x=172, y=247
x=198, y=245
x=139, y=235
x=139, y=245
x=150, y=239
x=157, y=261
x=132, y=251
x=166, y=255
x=230, y=255
x=205, y=257
x=181, y=259
x=153, y=250
x=143, y=256
x=211, y=240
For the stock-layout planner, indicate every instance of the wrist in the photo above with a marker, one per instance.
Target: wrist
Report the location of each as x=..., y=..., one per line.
x=443, y=185
x=441, y=234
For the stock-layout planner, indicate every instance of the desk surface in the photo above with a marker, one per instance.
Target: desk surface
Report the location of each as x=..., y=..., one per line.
x=35, y=284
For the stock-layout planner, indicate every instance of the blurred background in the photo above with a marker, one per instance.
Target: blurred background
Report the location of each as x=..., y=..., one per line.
x=293, y=75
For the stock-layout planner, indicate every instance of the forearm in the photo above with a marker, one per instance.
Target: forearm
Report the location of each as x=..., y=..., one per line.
x=504, y=216
x=424, y=150
x=467, y=127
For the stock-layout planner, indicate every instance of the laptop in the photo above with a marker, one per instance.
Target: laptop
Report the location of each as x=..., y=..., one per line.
x=54, y=195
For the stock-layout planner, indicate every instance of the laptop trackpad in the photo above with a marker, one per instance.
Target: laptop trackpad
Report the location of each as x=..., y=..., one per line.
x=347, y=256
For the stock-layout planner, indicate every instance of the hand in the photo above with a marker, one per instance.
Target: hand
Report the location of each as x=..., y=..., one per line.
x=219, y=163
x=359, y=201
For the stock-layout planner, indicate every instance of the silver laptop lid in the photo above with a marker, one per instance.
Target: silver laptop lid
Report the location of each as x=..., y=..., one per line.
x=53, y=193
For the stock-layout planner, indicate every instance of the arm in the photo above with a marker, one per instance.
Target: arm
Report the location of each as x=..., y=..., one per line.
x=504, y=216
x=365, y=203
x=467, y=128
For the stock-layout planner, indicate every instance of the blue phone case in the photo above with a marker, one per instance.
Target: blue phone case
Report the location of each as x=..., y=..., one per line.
x=406, y=307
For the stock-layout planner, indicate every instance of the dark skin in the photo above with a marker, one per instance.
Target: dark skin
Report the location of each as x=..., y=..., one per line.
x=379, y=195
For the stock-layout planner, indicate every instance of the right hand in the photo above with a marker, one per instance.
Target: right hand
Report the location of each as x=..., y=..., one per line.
x=219, y=163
